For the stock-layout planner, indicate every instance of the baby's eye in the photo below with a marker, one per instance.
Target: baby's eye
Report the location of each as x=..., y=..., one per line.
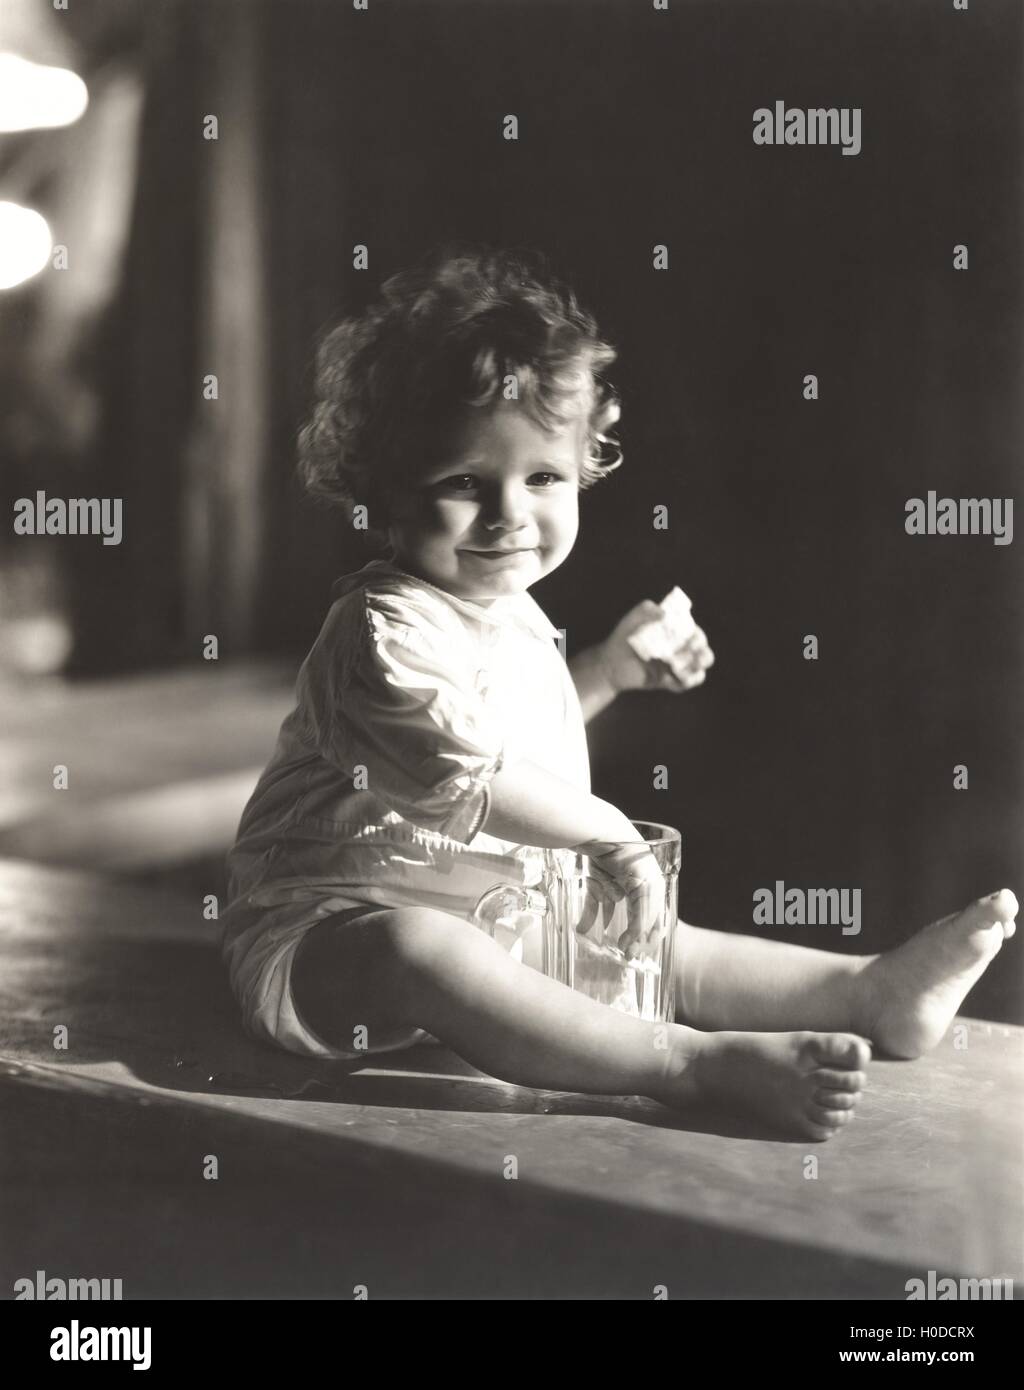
x=467, y=482
x=469, y=479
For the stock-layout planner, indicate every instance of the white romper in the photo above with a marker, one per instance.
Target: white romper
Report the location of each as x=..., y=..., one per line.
x=408, y=703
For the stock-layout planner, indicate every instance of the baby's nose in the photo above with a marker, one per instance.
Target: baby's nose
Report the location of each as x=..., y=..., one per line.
x=507, y=510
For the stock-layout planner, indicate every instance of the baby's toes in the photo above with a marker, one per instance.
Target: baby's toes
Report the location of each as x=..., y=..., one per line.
x=839, y=1050
x=1006, y=905
x=821, y=1132
x=841, y=1080
x=829, y=1119
x=998, y=907
x=836, y=1100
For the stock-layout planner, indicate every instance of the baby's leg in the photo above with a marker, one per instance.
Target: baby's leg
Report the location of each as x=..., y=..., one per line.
x=903, y=1000
x=417, y=967
x=725, y=980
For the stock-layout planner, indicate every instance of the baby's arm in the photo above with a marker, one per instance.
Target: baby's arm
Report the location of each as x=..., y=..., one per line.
x=594, y=688
x=533, y=807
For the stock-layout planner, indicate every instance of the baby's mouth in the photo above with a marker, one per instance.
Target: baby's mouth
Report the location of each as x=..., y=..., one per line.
x=499, y=554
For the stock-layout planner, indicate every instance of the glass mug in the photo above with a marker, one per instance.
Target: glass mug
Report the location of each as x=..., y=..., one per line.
x=570, y=922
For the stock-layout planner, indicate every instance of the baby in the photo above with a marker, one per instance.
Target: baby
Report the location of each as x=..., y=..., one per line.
x=438, y=738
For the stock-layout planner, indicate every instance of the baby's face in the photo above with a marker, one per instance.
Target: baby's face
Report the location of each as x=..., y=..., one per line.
x=504, y=485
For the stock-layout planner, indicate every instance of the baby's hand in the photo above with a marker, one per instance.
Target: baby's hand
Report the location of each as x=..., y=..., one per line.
x=627, y=870
x=685, y=668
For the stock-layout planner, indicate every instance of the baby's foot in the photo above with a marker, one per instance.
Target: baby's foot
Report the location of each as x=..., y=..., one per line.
x=907, y=998
x=806, y=1083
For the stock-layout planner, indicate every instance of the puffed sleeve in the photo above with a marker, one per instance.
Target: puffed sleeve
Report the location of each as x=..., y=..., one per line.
x=406, y=705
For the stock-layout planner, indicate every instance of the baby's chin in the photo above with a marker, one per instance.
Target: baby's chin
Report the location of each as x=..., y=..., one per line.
x=486, y=580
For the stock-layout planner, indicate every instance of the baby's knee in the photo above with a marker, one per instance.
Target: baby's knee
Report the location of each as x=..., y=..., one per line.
x=361, y=970
x=417, y=936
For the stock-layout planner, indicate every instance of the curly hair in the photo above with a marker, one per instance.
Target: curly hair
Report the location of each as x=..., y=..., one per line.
x=442, y=337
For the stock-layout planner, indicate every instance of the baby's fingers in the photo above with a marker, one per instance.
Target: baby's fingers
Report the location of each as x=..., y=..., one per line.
x=600, y=881
x=681, y=677
x=643, y=909
x=598, y=902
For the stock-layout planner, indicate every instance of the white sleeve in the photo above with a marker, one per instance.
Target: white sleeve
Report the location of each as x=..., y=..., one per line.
x=406, y=706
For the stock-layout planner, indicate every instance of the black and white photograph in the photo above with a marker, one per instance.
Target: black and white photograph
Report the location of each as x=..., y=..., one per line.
x=511, y=664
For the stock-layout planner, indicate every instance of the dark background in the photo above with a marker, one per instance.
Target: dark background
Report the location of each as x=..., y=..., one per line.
x=340, y=127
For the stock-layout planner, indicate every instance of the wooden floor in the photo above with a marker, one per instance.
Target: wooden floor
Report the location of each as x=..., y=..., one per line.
x=159, y=765
x=393, y=1176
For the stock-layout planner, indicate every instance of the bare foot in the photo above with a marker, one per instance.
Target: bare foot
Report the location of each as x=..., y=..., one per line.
x=806, y=1083
x=907, y=998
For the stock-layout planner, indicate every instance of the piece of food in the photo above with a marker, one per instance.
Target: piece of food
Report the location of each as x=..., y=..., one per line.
x=661, y=638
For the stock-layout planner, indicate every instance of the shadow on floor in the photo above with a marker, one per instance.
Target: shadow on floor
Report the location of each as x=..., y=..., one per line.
x=112, y=1193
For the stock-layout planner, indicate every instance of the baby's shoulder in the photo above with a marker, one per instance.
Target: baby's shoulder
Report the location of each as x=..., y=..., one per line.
x=395, y=606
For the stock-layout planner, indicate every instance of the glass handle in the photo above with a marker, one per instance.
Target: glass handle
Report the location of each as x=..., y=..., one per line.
x=505, y=904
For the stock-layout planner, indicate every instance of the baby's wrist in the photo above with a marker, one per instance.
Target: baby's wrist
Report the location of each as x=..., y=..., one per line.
x=606, y=669
x=612, y=830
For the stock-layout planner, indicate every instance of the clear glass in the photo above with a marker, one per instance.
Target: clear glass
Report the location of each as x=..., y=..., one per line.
x=566, y=922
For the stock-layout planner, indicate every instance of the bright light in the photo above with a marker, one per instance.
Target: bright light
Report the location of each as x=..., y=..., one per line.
x=25, y=244
x=33, y=96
